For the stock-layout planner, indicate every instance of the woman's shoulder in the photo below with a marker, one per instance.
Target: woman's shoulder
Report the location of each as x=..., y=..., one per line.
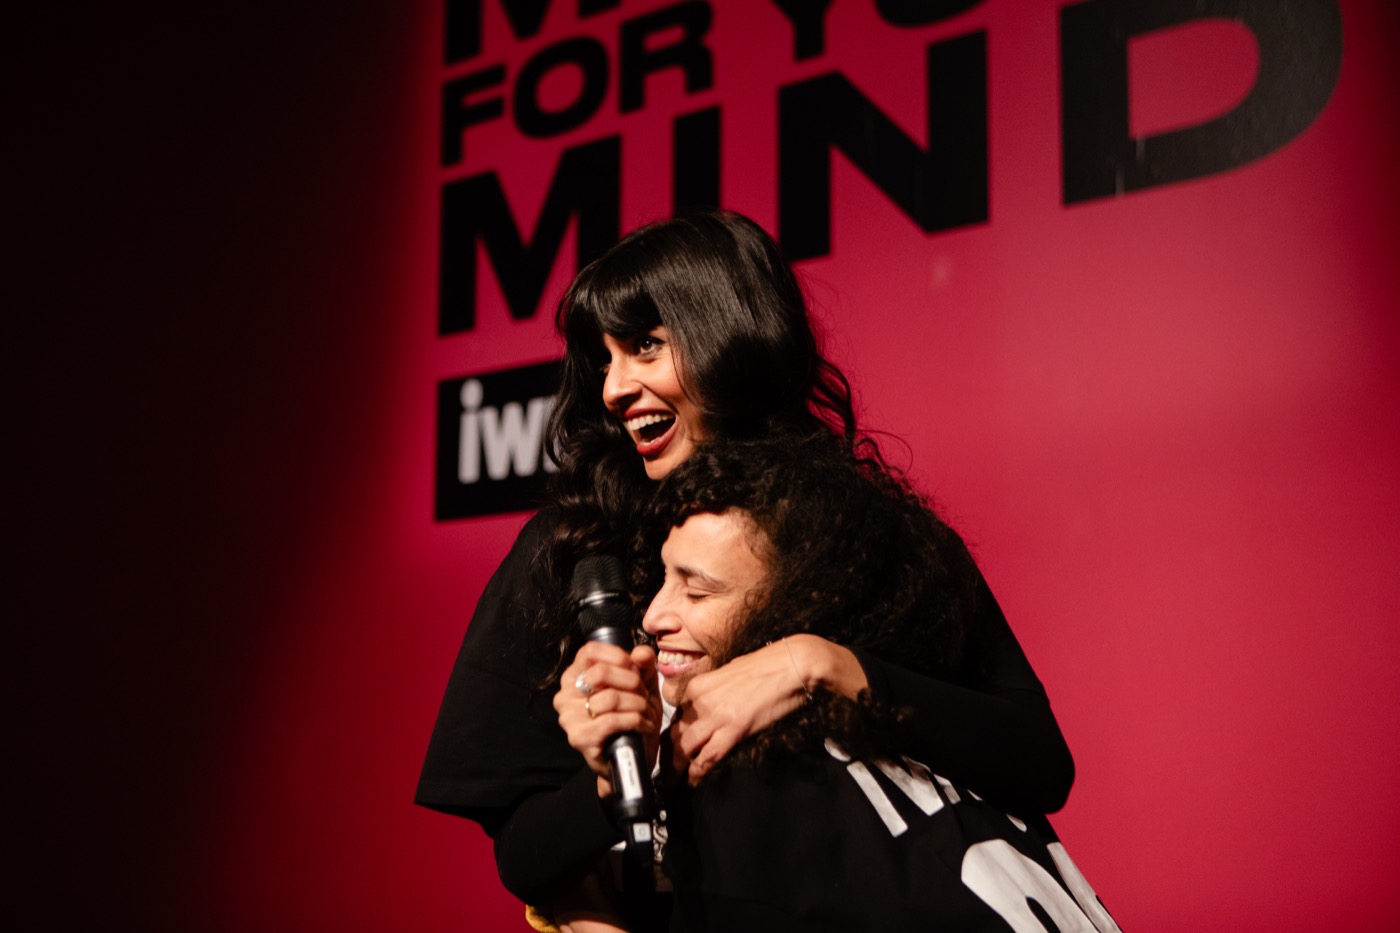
x=538, y=527
x=513, y=574
x=535, y=533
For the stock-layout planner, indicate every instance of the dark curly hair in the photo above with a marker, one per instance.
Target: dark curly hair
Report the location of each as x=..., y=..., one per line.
x=853, y=554
x=751, y=361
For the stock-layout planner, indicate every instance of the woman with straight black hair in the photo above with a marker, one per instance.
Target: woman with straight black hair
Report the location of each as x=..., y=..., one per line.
x=687, y=330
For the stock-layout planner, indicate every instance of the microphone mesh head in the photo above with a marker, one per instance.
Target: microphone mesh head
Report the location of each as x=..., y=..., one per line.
x=598, y=574
x=600, y=597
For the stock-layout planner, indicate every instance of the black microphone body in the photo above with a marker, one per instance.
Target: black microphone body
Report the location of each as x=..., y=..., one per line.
x=605, y=615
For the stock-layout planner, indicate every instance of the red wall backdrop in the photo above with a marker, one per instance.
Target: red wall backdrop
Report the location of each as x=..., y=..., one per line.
x=1165, y=421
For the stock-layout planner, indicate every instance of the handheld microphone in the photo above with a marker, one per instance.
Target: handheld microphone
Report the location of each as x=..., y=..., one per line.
x=605, y=614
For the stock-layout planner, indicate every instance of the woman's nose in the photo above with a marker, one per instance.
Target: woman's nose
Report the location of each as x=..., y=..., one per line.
x=619, y=383
x=658, y=618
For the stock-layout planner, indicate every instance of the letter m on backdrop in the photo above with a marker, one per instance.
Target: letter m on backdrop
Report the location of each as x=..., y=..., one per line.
x=586, y=188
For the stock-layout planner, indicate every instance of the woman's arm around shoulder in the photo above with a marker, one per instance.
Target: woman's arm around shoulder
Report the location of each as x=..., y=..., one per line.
x=996, y=735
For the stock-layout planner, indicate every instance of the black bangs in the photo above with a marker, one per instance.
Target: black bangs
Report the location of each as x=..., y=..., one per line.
x=607, y=297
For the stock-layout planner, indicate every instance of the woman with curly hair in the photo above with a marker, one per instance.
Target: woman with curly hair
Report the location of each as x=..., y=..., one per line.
x=689, y=330
x=819, y=822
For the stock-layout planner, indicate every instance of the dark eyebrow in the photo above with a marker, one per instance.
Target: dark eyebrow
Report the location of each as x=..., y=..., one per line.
x=690, y=573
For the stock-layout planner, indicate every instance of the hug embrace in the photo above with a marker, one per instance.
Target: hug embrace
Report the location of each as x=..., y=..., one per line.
x=844, y=731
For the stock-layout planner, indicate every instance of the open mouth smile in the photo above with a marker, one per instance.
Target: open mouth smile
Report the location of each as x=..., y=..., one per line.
x=651, y=432
x=672, y=663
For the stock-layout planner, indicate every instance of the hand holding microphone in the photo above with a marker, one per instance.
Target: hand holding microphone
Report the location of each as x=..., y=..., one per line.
x=607, y=700
x=602, y=695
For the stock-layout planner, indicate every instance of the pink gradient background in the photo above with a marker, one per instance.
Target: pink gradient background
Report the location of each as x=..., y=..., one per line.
x=1166, y=423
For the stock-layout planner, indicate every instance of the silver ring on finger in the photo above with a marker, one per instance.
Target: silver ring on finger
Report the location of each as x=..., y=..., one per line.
x=582, y=685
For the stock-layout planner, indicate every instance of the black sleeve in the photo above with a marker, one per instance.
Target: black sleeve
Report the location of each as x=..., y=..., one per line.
x=497, y=754
x=551, y=836
x=997, y=737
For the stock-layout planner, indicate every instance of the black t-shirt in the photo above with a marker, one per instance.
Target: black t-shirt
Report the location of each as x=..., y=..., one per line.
x=818, y=842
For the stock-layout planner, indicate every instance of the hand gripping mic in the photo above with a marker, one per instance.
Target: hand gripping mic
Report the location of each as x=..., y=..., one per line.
x=605, y=615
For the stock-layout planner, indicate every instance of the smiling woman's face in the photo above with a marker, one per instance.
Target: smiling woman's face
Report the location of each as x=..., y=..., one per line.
x=712, y=569
x=642, y=388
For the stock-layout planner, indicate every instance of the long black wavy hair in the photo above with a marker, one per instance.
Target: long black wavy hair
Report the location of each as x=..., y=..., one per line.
x=749, y=358
x=853, y=554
